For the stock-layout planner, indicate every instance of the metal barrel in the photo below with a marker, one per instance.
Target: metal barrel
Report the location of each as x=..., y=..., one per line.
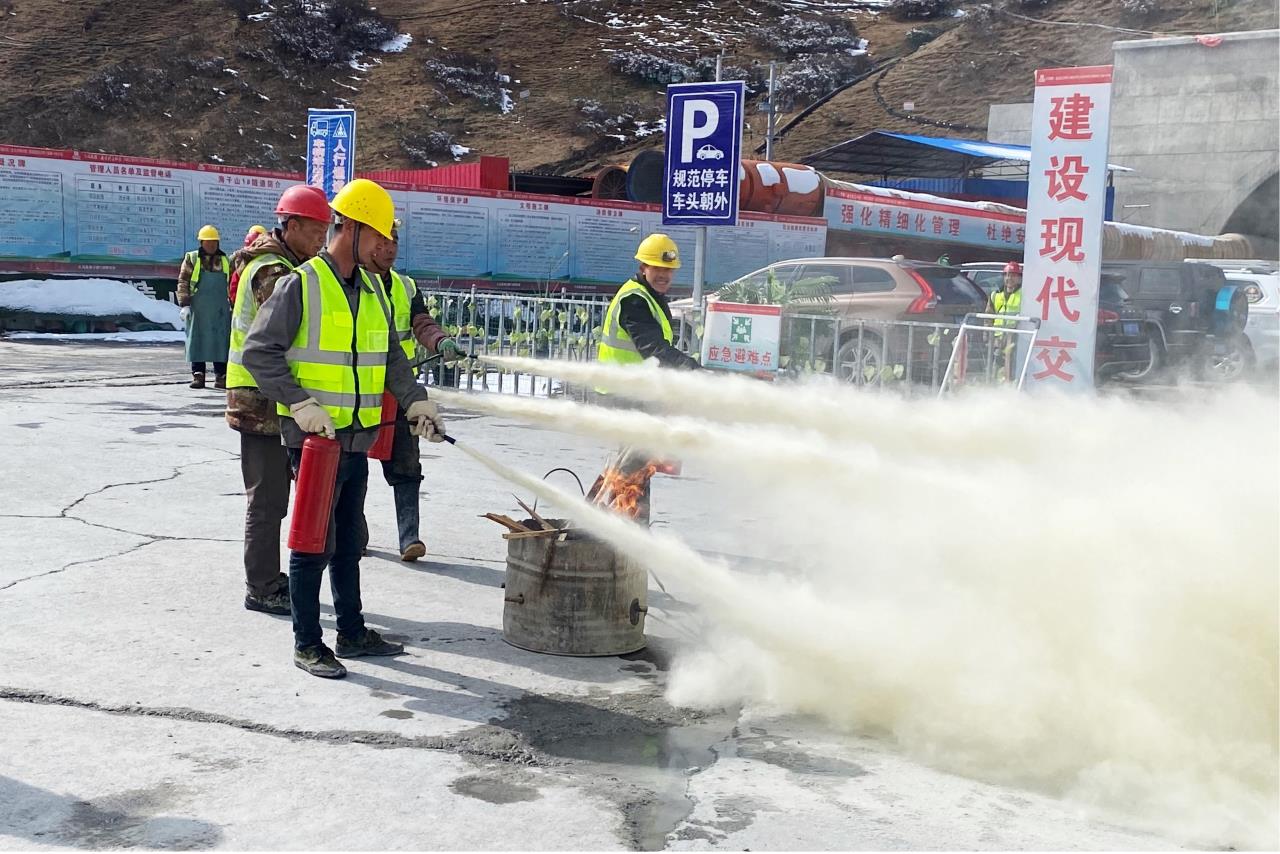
x=573, y=597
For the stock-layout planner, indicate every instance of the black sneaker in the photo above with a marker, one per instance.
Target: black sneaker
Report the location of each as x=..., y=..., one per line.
x=370, y=643
x=274, y=603
x=318, y=660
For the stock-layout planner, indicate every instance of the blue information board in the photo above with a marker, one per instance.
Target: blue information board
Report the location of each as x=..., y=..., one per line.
x=331, y=149
x=704, y=146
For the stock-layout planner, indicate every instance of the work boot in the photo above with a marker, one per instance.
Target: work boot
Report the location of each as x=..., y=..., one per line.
x=197, y=380
x=318, y=660
x=406, y=500
x=273, y=603
x=370, y=643
x=220, y=381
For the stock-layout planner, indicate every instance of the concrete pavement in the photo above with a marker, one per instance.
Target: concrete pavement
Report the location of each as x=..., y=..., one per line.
x=141, y=705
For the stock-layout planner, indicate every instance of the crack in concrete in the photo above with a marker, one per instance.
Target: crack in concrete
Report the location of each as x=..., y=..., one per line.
x=149, y=539
x=485, y=742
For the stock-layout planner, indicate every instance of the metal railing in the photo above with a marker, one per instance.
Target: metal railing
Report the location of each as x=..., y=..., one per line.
x=537, y=326
x=911, y=357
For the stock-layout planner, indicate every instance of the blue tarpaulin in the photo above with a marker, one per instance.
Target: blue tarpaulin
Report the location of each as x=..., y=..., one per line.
x=903, y=155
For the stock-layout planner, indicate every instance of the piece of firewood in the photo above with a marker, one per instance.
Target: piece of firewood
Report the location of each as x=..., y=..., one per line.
x=534, y=513
x=524, y=535
x=506, y=522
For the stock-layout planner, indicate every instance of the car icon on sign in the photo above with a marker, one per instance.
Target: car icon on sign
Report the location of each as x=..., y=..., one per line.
x=709, y=152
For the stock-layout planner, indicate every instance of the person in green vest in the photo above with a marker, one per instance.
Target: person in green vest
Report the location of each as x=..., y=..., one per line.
x=202, y=294
x=323, y=347
x=304, y=217
x=414, y=326
x=1008, y=300
x=637, y=324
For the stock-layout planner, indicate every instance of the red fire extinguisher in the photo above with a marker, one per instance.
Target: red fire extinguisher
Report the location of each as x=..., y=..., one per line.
x=313, y=494
x=381, y=449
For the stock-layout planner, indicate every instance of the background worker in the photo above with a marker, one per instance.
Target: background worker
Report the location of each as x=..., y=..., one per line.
x=323, y=348
x=202, y=293
x=637, y=325
x=413, y=325
x=1007, y=300
x=304, y=218
x=240, y=257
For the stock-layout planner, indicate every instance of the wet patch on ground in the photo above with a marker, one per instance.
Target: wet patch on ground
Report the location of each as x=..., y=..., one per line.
x=398, y=714
x=493, y=790
x=154, y=428
x=130, y=820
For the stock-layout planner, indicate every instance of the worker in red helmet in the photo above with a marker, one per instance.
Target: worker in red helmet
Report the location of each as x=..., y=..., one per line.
x=1008, y=301
x=303, y=216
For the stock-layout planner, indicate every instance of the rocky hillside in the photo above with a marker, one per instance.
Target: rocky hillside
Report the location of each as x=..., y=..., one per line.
x=561, y=85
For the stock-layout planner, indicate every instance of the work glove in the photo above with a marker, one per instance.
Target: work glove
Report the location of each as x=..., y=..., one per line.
x=450, y=351
x=185, y=311
x=311, y=417
x=424, y=420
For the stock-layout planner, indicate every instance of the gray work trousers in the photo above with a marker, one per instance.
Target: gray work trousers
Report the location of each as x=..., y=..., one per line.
x=264, y=462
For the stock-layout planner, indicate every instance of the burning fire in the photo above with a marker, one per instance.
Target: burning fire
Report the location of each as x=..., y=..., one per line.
x=625, y=492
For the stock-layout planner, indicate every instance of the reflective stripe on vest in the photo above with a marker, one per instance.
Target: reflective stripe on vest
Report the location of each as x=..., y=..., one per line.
x=194, y=257
x=242, y=315
x=338, y=359
x=616, y=346
x=403, y=290
x=1010, y=304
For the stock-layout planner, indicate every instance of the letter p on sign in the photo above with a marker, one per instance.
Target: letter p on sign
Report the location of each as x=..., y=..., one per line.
x=701, y=118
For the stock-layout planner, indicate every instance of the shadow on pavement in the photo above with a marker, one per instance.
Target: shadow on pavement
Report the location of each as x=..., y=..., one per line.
x=123, y=820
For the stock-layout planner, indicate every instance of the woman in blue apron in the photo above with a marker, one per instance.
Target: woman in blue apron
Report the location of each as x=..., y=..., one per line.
x=202, y=293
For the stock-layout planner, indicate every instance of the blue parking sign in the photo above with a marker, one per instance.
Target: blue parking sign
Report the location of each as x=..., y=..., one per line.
x=331, y=149
x=704, y=145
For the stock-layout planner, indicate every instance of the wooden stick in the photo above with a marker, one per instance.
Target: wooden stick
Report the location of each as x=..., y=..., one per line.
x=524, y=535
x=534, y=513
x=506, y=522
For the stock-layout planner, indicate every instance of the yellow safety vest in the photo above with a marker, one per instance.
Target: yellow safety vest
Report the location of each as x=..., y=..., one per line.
x=1007, y=304
x=242, y=315
x=194, y=257
x=616, y=346
x=338, y=359
x=403, y=290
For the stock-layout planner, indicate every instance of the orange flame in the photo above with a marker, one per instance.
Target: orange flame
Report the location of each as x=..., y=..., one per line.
x=621, y=491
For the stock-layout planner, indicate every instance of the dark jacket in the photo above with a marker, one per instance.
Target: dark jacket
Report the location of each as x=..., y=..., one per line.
x=249, y=410
x=637, y=320
x=271, y=337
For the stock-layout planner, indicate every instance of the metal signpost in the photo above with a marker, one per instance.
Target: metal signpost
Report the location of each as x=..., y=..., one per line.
x=331, y=149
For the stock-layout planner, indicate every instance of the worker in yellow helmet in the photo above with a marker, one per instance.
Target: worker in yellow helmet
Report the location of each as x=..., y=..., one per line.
x=323, y=347
x=638, y=325
x=202, y=293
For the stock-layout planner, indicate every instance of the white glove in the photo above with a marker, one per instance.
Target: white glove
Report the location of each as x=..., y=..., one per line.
x=185, y=311
x=312, y=418
x=424, y=420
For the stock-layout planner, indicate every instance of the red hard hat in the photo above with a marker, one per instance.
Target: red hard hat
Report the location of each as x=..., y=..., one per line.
x=304, y=201
x=1013, y=267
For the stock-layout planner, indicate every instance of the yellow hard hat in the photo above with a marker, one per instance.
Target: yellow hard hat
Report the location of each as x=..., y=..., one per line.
x=258, y=229
x=658, y=250
x=208, y=233
x=364, y=201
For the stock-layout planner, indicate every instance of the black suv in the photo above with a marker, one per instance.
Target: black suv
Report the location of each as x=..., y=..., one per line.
x=1196, y=317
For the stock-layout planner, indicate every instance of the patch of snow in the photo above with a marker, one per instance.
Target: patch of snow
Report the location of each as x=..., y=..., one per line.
x=398, y=44
x=459, y=151
x=506, y=104
x=356, y=64
x=155, y=337
x=801, y=180
x=216, y=159
x=86, y=297
x=232, y=71
x=265, y=98
x=260, y=16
